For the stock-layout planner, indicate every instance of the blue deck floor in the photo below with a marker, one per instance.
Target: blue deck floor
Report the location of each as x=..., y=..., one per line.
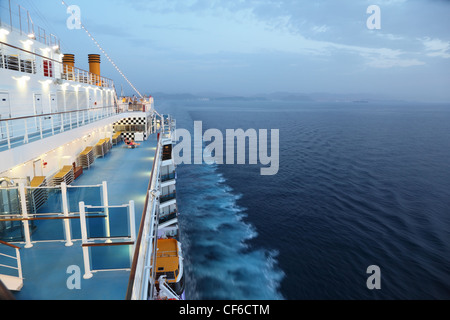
x=127, y=172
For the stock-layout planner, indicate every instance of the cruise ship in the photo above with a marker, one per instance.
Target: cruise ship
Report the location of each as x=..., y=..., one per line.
x=88, y=207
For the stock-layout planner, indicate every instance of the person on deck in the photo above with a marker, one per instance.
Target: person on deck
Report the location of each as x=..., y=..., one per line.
x=131, y=143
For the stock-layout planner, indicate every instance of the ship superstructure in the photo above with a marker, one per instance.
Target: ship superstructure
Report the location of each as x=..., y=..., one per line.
x=79, y=218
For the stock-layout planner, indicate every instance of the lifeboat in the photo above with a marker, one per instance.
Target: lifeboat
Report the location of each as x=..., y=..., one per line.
x=169, y=265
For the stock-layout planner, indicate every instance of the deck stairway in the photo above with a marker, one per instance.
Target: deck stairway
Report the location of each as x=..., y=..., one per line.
x=12, y=283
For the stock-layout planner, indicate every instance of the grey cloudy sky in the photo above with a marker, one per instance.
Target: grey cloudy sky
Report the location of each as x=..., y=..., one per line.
x=262, y=46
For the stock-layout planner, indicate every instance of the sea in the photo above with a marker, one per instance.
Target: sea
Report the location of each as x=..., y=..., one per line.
x=359, y=185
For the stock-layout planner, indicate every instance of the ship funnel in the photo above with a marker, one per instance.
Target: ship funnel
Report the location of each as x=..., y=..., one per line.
x=68, y=64
x=94, y=68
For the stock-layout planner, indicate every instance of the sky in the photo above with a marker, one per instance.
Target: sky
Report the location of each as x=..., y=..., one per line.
x=247, y=47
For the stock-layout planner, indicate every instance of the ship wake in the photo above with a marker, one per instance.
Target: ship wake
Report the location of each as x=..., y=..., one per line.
x=220, y=264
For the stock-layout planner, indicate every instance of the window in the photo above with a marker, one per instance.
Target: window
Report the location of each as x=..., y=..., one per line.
x=48, y=68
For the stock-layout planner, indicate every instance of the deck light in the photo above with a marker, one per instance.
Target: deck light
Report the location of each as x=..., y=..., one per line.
x=27, y=42
x=46, y=82
x=24, y=78
x=46, y=51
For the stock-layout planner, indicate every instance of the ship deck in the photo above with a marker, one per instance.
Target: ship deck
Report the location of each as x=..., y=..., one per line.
x=45, y=266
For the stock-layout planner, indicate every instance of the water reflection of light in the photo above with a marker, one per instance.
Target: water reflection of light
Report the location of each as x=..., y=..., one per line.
x=146, y=174
x=141, y=199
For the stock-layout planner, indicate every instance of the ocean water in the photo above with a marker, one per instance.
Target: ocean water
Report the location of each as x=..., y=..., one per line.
x=358, y=185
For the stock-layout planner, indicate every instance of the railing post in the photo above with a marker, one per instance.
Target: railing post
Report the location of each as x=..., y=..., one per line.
x=53, y=126
x=26, y=224
x=25, y=140
x=20, y=20
x=105, y=203
x=10, y=16
x=8, y=138
x=19, y=263
x=65, y=206
x=87, y=266
x=40, y=128
x=132, y=225
x=33, y=67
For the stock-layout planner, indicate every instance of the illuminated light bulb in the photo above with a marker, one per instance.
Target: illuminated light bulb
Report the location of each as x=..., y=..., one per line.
x=24, y=78
x=46, y=82
x=28, y=42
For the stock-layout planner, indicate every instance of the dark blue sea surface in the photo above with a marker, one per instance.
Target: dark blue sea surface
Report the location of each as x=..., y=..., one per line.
x=358, y=185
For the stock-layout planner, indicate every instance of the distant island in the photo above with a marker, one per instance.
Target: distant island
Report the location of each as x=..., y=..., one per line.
x=275, y=96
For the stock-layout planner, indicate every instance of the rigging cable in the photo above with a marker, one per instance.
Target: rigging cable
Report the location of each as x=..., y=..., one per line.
x=106, y=55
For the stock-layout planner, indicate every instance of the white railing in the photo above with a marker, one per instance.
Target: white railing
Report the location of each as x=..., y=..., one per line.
x=23, y=130
x=15, y=16
x=22, y=212
x=165, y=290
x=88, y=242
x=135, y=107
x=21, y=62
x=142, y=278
x=17, y=59
x=16, y=263
x=82, y=76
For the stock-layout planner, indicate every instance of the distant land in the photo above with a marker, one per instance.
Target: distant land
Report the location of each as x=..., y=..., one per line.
x=276, y=96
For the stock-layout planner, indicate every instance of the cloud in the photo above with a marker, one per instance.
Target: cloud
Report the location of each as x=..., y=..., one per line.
x=320, y=29
x=383, y=62
x=312, y=30
x=172, y=26
x=389, y=36
x=382, y=58
x=389, y=2
x=436, y=47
